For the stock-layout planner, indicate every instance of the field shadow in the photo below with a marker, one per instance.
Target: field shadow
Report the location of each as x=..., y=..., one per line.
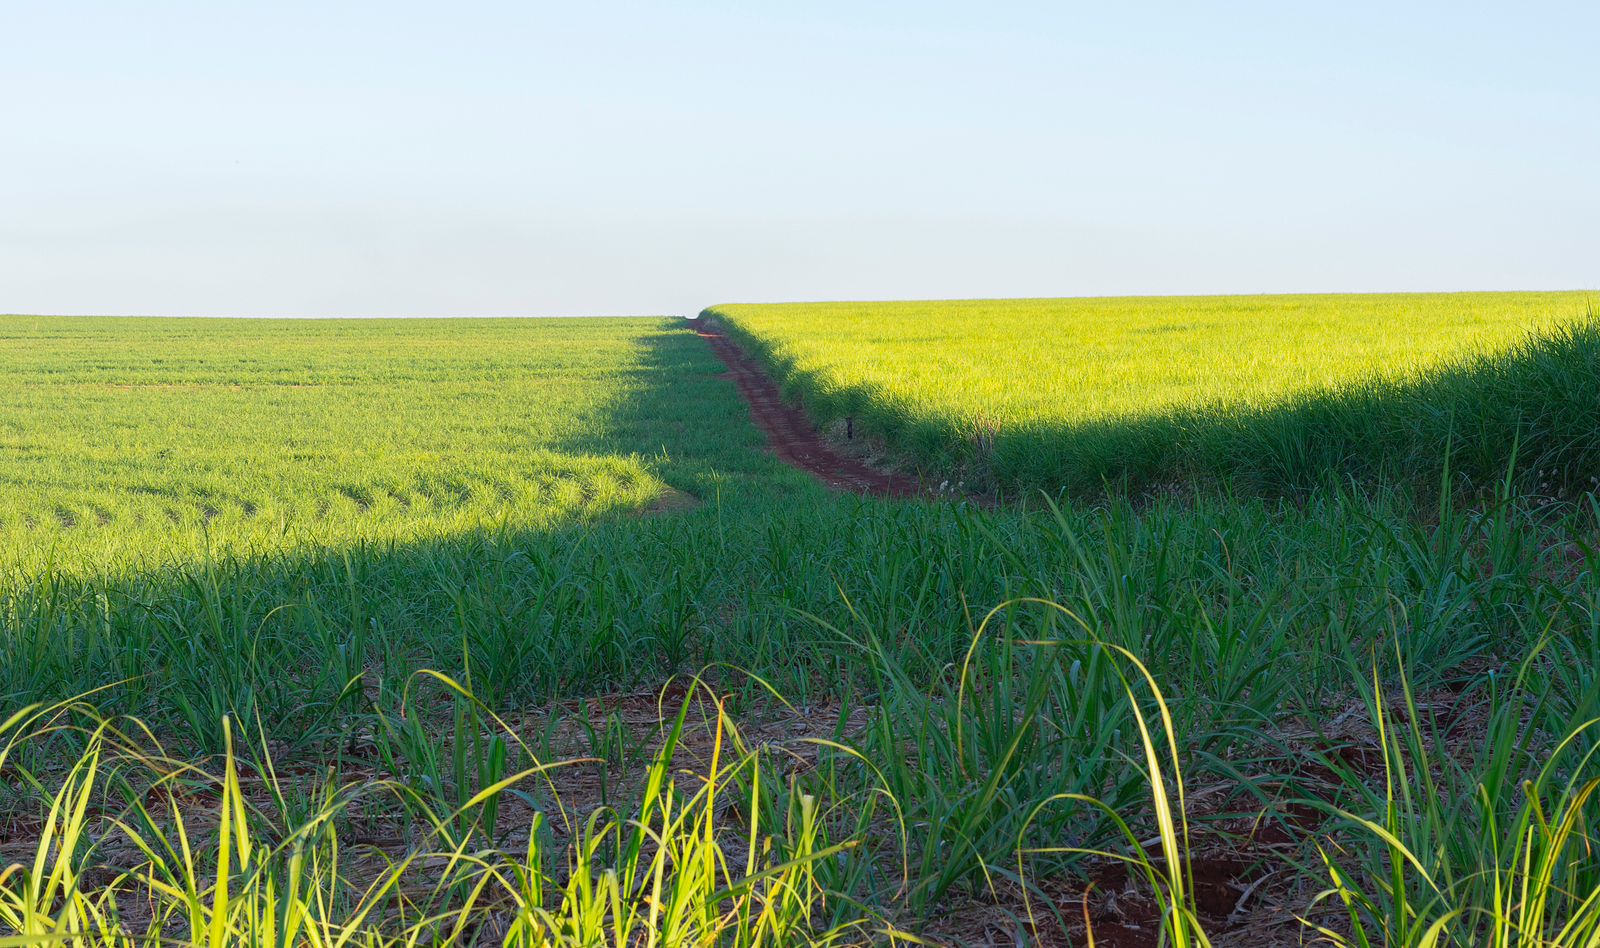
x=300, y=638
x=306, y=641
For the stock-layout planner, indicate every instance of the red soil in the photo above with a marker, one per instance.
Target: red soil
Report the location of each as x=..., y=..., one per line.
x=791, y=434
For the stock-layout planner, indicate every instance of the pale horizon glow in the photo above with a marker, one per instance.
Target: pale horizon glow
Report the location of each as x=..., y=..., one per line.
x=527, y=159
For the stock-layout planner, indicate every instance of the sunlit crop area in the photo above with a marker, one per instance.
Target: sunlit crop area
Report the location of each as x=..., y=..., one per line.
x=510, y=632
x=1076, y=392
x=151, y=436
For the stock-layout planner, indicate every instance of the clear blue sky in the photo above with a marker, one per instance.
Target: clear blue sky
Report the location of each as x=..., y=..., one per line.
x=309, y=158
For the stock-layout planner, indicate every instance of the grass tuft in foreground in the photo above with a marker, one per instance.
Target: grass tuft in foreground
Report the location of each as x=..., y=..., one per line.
x=136, y=848
x=723, y=841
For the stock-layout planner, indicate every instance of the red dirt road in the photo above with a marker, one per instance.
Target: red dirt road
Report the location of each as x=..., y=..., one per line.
x=790, y=433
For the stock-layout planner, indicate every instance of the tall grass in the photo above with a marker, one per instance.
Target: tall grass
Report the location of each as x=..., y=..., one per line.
x=1222, y=597
x=944, y=752
x=1473, y=840
x=1484, y=841
x=1398, y=680
x=232, y=866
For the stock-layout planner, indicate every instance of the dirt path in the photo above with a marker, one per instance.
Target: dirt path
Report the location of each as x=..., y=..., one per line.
x=790, y=433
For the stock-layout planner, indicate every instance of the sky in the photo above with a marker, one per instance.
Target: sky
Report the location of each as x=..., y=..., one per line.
x=501, y=158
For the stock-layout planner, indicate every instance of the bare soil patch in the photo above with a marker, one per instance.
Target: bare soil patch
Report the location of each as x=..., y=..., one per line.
x=792, y=436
